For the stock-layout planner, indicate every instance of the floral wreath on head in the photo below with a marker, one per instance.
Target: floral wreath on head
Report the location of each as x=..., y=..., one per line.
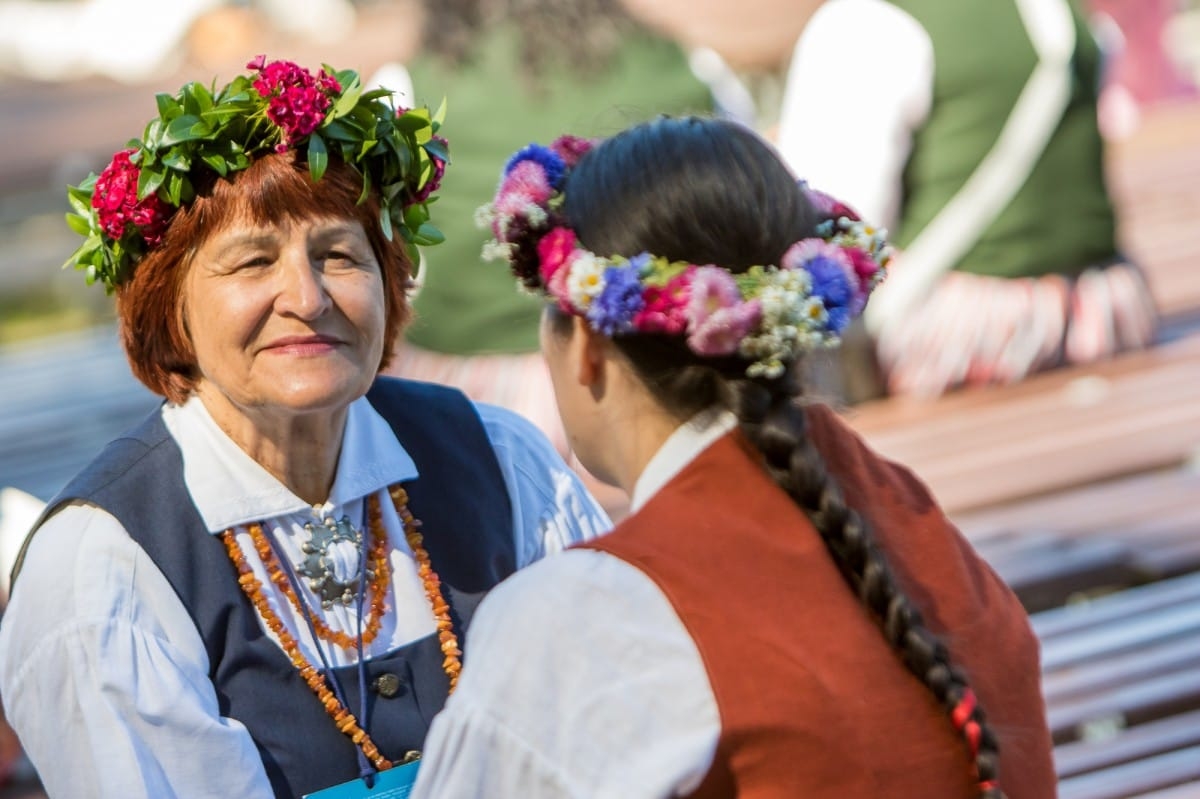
x=124, y=212
x=766, y=315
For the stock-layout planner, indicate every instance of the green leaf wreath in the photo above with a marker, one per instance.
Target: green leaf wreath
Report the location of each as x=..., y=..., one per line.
x=123, y=212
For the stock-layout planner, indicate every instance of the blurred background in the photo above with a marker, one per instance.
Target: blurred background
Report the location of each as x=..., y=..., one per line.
x=78, y=78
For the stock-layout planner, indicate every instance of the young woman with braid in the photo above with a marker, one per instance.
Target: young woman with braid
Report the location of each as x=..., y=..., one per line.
x=784, y=613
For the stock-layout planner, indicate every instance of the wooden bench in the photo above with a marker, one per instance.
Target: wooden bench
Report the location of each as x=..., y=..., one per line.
x=1189, y=790
x=1181, y=731
x=990, y=447
x=1136, y=502
x=1168, y=770
x=1093, y=539
x=1047, y=569
x=1121, y=678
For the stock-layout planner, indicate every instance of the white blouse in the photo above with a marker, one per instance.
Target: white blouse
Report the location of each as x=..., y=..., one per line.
x=102, y=671
x=583, y=682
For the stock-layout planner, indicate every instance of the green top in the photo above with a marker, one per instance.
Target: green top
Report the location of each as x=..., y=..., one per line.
x=468, y=306
x=1061, y=220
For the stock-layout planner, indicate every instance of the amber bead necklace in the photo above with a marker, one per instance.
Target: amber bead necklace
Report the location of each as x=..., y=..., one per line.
x=378, y=569
x=253, y=588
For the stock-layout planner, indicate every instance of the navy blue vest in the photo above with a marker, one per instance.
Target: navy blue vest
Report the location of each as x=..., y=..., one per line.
x=466, y=518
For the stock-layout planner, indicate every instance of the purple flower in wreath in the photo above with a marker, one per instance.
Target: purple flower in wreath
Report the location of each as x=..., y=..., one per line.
x=618, y=303
x=549, y=160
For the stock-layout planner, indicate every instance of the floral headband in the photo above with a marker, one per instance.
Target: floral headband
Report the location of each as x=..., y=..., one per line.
x=124, y=212
x=767, y=315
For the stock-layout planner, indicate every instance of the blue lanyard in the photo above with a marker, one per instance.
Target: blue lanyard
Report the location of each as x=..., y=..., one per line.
x=366, y=771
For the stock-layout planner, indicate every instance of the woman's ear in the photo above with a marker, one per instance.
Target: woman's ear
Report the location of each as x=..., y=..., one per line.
x=589, y=352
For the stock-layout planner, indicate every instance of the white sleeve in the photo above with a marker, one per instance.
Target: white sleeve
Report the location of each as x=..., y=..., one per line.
x=581, y=681
x=105, y=678
x=551, y=509
x=860, y=84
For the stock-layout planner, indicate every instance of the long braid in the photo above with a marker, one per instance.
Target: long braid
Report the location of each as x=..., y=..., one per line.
x=776, y=425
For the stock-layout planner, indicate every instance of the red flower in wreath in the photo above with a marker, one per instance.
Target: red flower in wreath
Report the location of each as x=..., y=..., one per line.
x=117, y=205
x=435, y=180
x=297, y=100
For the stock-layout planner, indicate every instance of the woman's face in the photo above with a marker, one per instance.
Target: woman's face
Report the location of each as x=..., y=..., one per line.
x=285, y=318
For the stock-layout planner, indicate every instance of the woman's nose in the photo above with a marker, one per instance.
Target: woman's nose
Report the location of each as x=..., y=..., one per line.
x=302, y=290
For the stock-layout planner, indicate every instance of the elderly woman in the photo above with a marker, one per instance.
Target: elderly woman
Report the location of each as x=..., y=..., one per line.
x=261, y=590
x=783, y=613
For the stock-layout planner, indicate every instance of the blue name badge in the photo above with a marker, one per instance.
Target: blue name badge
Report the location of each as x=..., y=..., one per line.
x=395, y=783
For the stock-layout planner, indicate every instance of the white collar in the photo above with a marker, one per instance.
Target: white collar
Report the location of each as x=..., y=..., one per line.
x=681, y=448
x=230, y=488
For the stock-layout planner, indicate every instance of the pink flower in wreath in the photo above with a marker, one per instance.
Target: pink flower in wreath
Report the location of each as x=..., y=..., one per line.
x=527, y=178
x=571, y=148
x=828, y=205
x=665, y=310
x=718, y=320
x=554, y=250
x=296, y=100
x=866, y=269
x=117, y=205
x=557, y=286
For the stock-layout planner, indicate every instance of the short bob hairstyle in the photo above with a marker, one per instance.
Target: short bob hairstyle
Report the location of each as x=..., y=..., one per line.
x=274, y=188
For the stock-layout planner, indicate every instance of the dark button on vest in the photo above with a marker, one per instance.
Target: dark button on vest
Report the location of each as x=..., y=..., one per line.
x=388, y=685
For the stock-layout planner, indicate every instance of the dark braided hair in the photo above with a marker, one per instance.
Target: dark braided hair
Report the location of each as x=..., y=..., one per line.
x=711, y=192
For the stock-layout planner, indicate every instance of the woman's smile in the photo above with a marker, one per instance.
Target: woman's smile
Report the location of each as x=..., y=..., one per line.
x=303, y=346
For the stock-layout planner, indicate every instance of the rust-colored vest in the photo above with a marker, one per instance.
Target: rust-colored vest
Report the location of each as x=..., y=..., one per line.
x=813, y=701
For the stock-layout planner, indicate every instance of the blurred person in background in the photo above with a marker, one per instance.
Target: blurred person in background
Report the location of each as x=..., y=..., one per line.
x=968, y=128
x=516, y=72
x=1140, y=71
x=261, y=590
x=783, y=613
x=143, y=39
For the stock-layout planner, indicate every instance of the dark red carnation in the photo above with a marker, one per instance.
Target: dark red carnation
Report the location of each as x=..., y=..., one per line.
x=117, y=205
x=435, y=180
x=297, y=101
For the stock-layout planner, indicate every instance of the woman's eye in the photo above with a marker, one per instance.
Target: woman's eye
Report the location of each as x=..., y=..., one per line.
x=254, y=262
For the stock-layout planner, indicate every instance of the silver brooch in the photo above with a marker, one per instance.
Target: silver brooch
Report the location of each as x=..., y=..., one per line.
x=318, y=564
